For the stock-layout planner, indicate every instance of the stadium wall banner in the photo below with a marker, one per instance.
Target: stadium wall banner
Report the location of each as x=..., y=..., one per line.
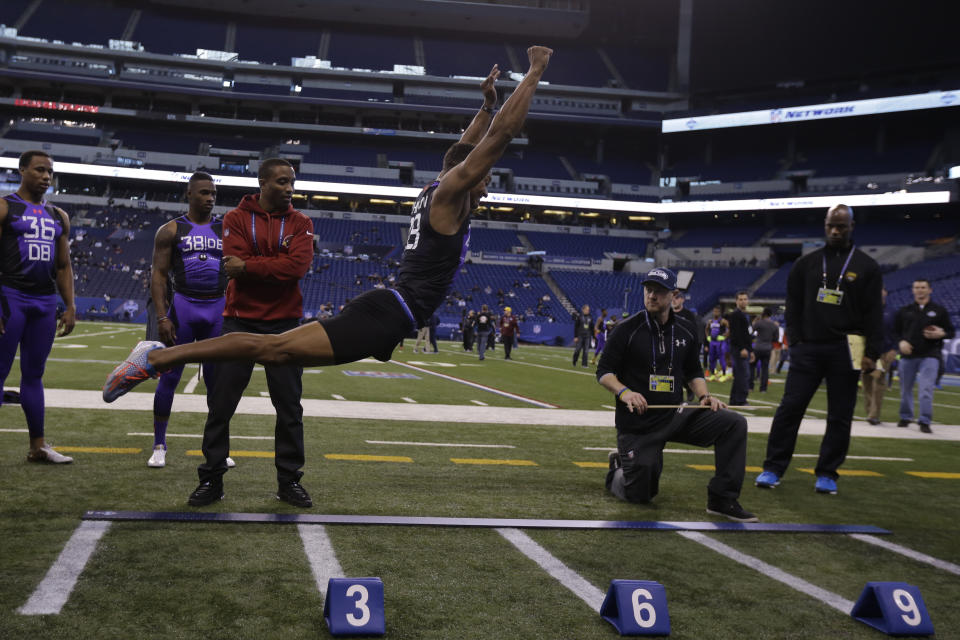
x=704, y=206
x=781, y=115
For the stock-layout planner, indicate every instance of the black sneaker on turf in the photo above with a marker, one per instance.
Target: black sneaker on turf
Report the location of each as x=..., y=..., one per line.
x=903, y=423
x=613, y=458
x=925, y=428
x=294, y=494
x=731, y=510
x=207, y=493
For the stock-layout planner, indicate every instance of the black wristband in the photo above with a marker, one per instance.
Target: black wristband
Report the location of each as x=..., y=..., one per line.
x=704, y=397
x=487, y=109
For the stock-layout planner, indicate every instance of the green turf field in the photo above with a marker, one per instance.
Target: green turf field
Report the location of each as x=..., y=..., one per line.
x=181, y=580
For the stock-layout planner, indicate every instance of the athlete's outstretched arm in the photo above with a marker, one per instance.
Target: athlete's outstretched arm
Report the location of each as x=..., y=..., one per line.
x=481, y=121
x=505, y=126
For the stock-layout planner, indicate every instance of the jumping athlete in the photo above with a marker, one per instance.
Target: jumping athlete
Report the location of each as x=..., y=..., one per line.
x=34, y=265
x=374, y=323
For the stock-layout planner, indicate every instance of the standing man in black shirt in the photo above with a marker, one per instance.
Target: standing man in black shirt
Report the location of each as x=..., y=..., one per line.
x=374, y=323
x=741, y=350
x=582, y=334
x=650, y=357
x=483, y=327
x=833, y=305
x=921, y=327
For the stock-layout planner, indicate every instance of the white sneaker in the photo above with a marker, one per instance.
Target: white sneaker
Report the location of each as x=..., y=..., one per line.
x=230, y=463
x=47, y=454
x=159, y=457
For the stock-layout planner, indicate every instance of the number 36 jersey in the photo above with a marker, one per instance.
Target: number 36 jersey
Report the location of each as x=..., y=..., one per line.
x=28, y=246
x=430, y=260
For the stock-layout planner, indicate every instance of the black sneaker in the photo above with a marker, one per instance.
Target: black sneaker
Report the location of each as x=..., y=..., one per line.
x=731, y=510
x=613, y=458
x=294, y=493
x=207, y=493
x=925, y=428
x=903, y=423
x=873, y=421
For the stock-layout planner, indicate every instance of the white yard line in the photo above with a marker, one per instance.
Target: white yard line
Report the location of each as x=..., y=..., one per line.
x=192, y=383
x=408, y=400
x=323, y=560
x=337, y=396
x=102, y=333
x=829, y=598
x=559, y=571
x=480, y=403
x=54, y=590
x=910, y=553
x=477, y=385
x=532, y=364
x=436, y=444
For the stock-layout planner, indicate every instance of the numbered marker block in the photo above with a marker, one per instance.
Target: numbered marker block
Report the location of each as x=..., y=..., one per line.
x=354, y=607
x=637, y=608
x=896, y=608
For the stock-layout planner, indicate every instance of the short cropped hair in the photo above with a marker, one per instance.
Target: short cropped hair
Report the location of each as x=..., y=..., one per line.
x=27, y=156
x=200, y=175
x=456, y=154
x=916, y=280
x=743, y=292
x=267, y=166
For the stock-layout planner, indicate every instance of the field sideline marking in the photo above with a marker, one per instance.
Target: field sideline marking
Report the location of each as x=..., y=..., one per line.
x=102, y=333
x=55, y=588
x=838, y=602
x=533, y=364
x=796, y=455
x=193, y=382
x=200, y=435
x=429, y=444
x=477, y=385
x=559, y=571
x=910, y=553
x=323, y=559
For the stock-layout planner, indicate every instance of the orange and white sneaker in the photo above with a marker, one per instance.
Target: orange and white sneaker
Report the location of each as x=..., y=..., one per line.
x=131, y=372
x=48, y=455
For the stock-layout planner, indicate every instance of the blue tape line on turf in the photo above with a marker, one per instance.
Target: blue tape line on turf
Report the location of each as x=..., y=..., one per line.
x=522, y=523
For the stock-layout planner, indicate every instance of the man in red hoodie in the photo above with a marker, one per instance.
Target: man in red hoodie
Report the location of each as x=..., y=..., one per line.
x=376, y=321
x=267, y=248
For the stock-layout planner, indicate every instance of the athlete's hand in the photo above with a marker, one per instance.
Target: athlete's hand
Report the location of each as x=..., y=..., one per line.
x=539, y=57
x=489, y=91
x=233, y=266
x=67, y=322
x=168, y=333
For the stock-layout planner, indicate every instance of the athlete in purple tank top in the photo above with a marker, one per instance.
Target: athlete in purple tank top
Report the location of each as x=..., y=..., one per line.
x=187, y=255
x=34, y=265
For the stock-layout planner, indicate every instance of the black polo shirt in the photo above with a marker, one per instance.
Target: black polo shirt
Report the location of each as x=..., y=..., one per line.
x=630, y=353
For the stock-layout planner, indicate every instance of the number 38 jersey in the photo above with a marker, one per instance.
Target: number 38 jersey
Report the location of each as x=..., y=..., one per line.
x=196, y=264
x=430, y=260
x=28, y=246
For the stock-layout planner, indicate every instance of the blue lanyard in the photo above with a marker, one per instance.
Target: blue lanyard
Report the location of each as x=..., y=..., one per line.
x=253, y=232
x=653, y=345
x=842, y=271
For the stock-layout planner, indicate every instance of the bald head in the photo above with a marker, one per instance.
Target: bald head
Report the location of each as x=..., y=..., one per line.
x=838, y=226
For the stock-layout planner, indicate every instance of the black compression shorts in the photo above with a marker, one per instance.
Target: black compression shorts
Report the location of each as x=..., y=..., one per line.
x=372, y=324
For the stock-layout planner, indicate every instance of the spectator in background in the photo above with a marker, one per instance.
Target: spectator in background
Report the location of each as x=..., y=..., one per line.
x=717, y=332
x=599, y=335
x=582, y=334
x=678, y=299
x=874, y=383
x=483, y=326
x=767, y=332
x=434, y=323
x=508, y=331
x=740, y=349
x=468, y=327
x=921, y=326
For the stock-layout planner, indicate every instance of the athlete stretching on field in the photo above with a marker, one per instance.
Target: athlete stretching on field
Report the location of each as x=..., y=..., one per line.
x=375, y=322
